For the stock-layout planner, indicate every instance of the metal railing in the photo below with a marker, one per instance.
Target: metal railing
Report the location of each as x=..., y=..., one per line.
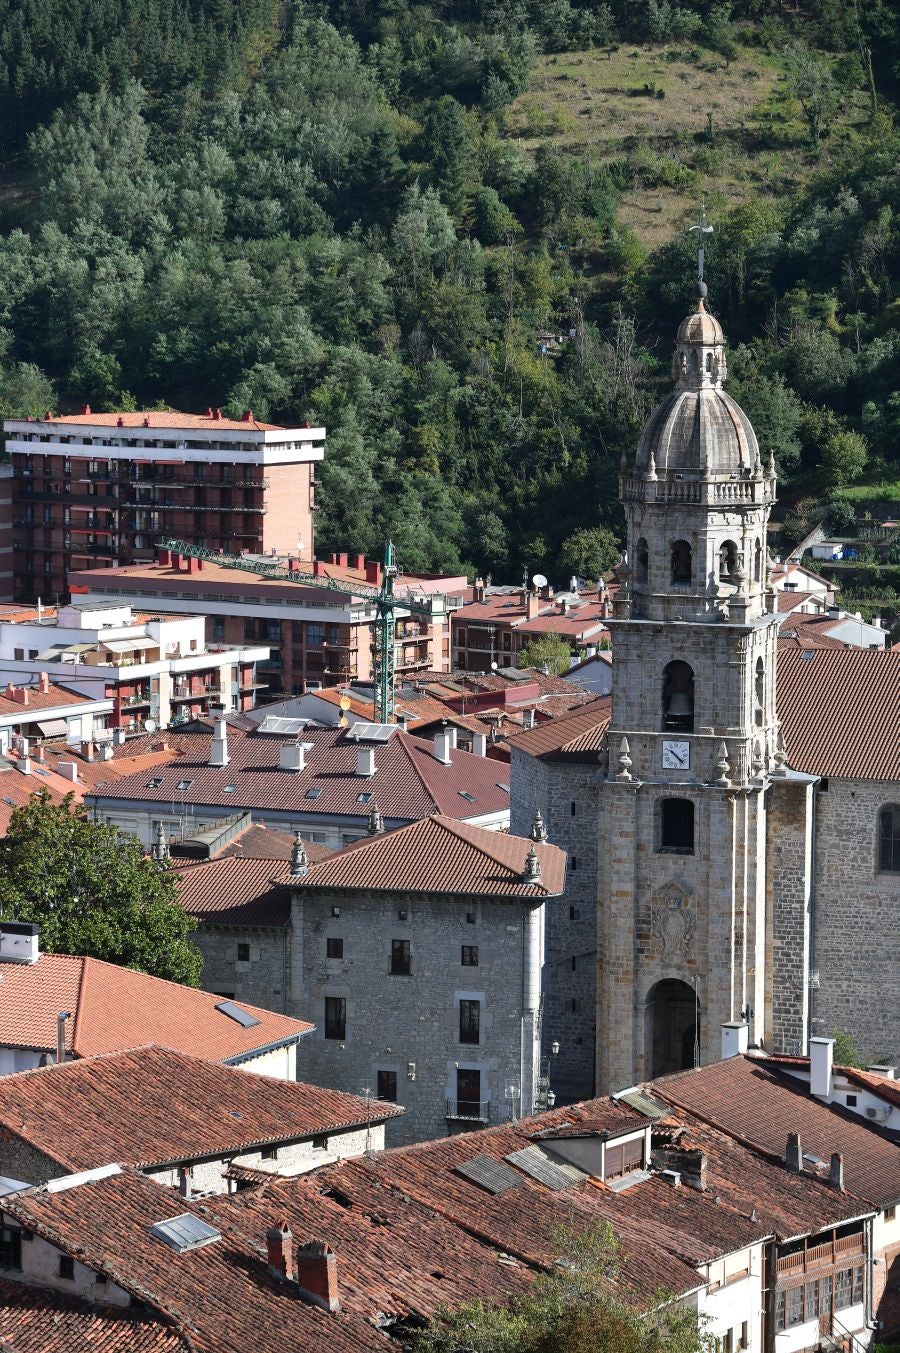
x=469, y=1110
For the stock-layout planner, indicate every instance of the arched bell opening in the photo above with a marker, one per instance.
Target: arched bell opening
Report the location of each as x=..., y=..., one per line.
x=678, y=698
x=672, y=1024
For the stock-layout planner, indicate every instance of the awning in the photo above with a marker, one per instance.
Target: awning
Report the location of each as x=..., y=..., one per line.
x=53, y=728
x=128, y=645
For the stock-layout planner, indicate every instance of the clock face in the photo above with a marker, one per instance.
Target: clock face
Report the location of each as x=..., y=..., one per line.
x=676, y=755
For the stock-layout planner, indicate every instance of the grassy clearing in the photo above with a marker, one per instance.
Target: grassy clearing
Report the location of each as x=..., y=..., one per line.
x=654, y=105
x=887, y=491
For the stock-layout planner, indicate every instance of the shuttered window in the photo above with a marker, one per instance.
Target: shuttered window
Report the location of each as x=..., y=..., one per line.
x=623, y=1157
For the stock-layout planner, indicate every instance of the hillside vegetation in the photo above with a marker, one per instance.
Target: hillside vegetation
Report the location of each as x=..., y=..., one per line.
x=455, y=235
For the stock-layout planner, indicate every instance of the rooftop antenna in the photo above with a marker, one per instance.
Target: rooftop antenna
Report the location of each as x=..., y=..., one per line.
x=702, y=228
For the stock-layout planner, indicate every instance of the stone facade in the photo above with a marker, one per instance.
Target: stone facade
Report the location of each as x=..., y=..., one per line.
x=566, y=796
x=856, y=937
x=409, y=1025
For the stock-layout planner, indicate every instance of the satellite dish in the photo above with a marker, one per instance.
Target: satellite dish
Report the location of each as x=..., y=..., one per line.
x=150, y=725
x=539, y=580
x=344, y=702
x=493, y=667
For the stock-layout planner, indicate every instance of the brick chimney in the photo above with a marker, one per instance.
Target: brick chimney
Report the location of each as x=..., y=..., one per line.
x=280, y=1249
x=85, y=409
x=836, y=1175
x=532, y=604
x=793, y=1156
x=247, y=416
x=43, y=683
x=317, y=1274
x=359, y=563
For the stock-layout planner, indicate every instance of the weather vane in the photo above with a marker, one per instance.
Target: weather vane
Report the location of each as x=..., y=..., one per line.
x=702, y=228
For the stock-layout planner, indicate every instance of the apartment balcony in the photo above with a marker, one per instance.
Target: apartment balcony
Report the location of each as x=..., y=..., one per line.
x=468, y=1110
x=846, y=1249
x=133, y=701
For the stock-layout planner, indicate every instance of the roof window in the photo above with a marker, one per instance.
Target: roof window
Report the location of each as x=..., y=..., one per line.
x=185, y=1232
x=314, y=791
x=364, y=798
x=242, y=1017
x=464, y=794
x=183, y=785
x=155, y=782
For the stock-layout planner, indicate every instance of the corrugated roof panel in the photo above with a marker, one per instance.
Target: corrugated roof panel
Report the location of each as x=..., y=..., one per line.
x=494, y=1175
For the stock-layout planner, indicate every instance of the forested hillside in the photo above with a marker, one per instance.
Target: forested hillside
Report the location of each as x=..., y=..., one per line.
x=380, y=216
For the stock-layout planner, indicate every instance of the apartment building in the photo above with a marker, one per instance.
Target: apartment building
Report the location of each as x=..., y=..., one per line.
x=317, y=635
x=157, y=670
x=494, y=627
x=93, y=490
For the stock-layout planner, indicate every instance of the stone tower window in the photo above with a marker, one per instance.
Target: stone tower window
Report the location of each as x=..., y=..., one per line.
x=678, y=697
x=676, y=826
x=709, y=361
x=641, y=562
x=682, y=558
x=759, y=689
x=728, y=557
x=889, y=839
x=757, y=562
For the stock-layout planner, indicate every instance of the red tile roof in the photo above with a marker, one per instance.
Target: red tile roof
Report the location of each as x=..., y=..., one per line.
x=439, y=854
x=408, y=783
x=839, y=712
x=267, y=843
x=57, y=697
x=165, y=418
x=756, y=1105
x=789, y=601
x=152, y=1106
x=573, y=737
x=18, y=789
x=38, y=1320
x=115, y=1008
x=885, y=1086
x=235, y=891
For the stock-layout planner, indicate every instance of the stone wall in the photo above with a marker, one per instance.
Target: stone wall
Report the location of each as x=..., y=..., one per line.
x=565, y=793
x=410, y=1025
x=789, y=886
x=263, y=979
x=856, y=937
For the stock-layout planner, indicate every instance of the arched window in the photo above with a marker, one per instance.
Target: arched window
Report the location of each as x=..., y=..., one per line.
x=728, y=557
x=641, y=562
x=676, y=826
x=695, y=363
x=681, y=562
x=678, y=697
x=709, y=361
x=889, y=839
x=757, y=562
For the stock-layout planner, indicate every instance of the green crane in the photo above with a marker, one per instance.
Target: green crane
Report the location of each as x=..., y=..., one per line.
x=382, y=598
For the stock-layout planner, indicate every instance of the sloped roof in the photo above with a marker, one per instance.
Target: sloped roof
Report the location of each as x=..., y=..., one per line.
x=439, y=854
x=115, y=1008
x=885, y=1086
x=162, y=418
x=235, y=891
x=754, y=1104
x=57, y=697
x=152, y=1106
x=408, y=783
x=839, y=711
x=572, y=737
x=39, y=1320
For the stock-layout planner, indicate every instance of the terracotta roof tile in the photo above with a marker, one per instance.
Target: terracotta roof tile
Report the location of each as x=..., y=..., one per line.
x=18, y=789
x=408, y=783
x=885, y=1086
x=56, y=698
x=755, y=1104
x=439, y=854
x=152, y=1106
x=573, y=737
x=268, y=843
x=115, y=1008
x=38, y=1320
x=840, y=712
x=232, y=890
x=165, y=418
x=788, y=601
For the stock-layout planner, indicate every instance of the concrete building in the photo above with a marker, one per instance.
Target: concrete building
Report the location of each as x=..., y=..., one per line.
x=191, y=1124
x=745, y=848
x=152, y=667
x=420, y=952
x=42, y=709
x=498, y=623
x=324, y=782
x=93, y=490
x=317, y=635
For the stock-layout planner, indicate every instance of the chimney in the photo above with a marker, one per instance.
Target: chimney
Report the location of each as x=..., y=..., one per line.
x=17, y=693
x=365, y=761
x=85, y=409
x=442, y=747
x=478, y=590
x=880, y=1069
x=68, y=770
x=821, y=1067
x=343, y=559
x=373, y=572
x=247, y=416
x=359, y=563
x=793, y=1156
x=209, y=413
x=318, y=568
x=218, y=752
x=24, y=761
x=532, y=605
x=836, y=1174
x=292, y=757
x=120, y=421
x=280, y=1249
x=106, y=751
x=61, y=1035
x=118, y=737
x=164, y=557
x=735, y=1039
x=452, y=734
x=217, y=415
x=43, y=683
x=317, y=1274
x=479, y=744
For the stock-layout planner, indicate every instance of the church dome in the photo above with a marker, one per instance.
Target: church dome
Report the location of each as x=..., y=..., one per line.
x=699, y=428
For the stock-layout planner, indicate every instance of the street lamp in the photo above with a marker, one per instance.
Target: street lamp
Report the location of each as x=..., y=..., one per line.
x=545, y=1096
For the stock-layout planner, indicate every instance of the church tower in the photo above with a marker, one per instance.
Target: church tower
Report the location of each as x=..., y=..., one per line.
x=693, y=739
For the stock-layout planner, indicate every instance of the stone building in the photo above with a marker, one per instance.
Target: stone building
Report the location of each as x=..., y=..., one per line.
x=716, y=896
x=417, y=953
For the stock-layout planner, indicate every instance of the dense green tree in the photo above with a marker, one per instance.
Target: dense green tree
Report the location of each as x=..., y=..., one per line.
x=93, y=891
x=549, y=652
x=813, y=86
x=589, y=552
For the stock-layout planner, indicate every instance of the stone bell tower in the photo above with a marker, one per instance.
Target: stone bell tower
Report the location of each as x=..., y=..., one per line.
x=682, y=944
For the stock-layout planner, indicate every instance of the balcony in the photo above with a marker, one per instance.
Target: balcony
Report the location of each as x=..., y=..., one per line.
x=847, y=1249
x=468, y=1110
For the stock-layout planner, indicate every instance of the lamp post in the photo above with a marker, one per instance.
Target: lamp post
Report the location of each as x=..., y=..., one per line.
x=546, y=1098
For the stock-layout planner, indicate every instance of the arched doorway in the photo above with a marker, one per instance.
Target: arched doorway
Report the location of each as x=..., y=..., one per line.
x=672, y=1026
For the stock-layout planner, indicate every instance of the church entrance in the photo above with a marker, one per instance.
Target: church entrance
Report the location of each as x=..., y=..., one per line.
x=672, y=1026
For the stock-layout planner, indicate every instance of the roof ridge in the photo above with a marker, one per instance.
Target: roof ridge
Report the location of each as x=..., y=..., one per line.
x=79, y=1008
x=458, y=829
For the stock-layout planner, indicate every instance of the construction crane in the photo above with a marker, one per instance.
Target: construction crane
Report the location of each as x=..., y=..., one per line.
x=382, y=598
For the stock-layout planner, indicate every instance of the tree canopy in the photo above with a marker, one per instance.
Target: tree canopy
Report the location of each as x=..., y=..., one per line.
x=93, y=891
